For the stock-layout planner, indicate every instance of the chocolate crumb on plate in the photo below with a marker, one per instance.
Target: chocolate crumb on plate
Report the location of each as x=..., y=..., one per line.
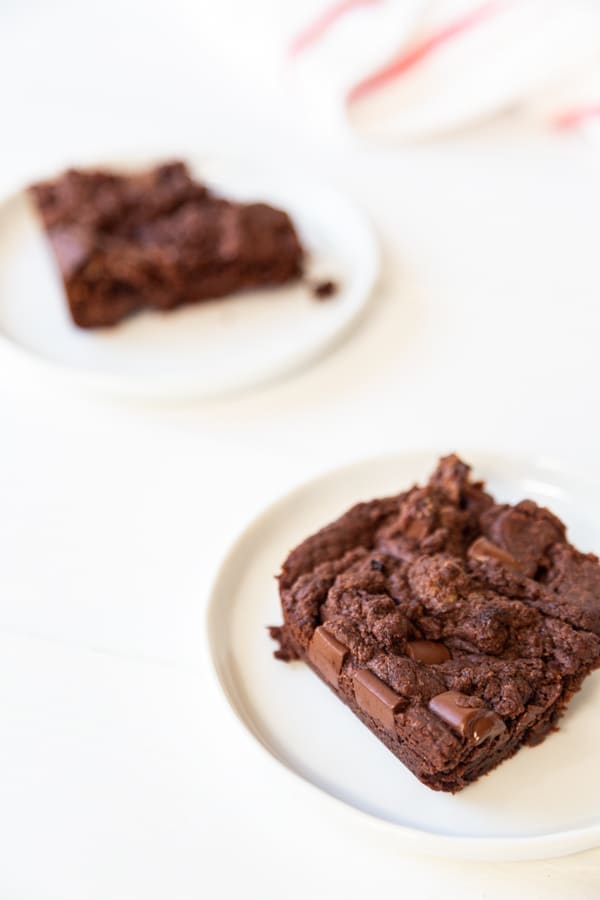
x=323, y=290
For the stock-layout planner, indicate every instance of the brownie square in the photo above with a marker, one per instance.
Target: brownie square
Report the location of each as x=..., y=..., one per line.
x=457, y=629
x=158, y=240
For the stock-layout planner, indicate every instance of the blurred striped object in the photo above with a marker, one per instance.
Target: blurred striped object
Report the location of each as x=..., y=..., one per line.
x=402, y=69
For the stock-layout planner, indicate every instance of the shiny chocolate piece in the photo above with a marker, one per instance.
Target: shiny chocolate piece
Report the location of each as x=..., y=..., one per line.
x=430, y=653
x=327, y=654
x=482, y=550
x=475, y=723
x=375, y=698
x=526, y=531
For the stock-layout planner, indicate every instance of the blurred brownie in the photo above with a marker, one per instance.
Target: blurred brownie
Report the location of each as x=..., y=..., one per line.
x=158, y=240
x=457, y=629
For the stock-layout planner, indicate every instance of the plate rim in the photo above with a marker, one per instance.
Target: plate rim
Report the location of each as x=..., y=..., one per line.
x=174, y=387
x=501, y=848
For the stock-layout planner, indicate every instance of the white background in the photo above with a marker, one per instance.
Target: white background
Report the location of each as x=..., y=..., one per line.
x=121, y=772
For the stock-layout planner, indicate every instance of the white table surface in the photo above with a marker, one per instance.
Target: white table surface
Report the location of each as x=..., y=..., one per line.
x=122, y=774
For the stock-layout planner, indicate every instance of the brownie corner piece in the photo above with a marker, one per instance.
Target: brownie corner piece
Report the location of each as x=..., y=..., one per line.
x=157, y=240
x=454, y=627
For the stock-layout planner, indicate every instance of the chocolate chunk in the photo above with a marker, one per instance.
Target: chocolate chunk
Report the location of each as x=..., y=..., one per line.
x=327, y=654
x=431, y=653
x=377, y=565
x=482, y=550
x=475, y=723
x=375, y=698
x=525, y=531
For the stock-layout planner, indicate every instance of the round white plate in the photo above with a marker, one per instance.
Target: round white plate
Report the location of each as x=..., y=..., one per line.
x=544, y=802
x=206, y=348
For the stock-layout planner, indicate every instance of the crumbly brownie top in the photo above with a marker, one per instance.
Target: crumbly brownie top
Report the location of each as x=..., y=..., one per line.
x=117, y=204
x=492, y=598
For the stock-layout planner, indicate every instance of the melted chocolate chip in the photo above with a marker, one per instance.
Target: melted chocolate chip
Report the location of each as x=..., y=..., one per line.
x=475, y=723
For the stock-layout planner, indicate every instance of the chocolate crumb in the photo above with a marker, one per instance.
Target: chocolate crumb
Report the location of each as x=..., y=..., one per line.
x=286, y=650
x=323, y=290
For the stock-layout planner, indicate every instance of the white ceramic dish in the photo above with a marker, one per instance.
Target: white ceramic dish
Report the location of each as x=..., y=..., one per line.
x=208, y=348
x=544, y=802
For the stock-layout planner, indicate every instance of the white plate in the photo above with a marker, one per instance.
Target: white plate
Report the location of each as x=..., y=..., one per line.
x=206, y=348
x=544, y=802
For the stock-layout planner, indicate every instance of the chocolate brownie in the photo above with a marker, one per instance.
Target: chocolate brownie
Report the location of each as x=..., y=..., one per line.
x=456, y=628
x=157, y=240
